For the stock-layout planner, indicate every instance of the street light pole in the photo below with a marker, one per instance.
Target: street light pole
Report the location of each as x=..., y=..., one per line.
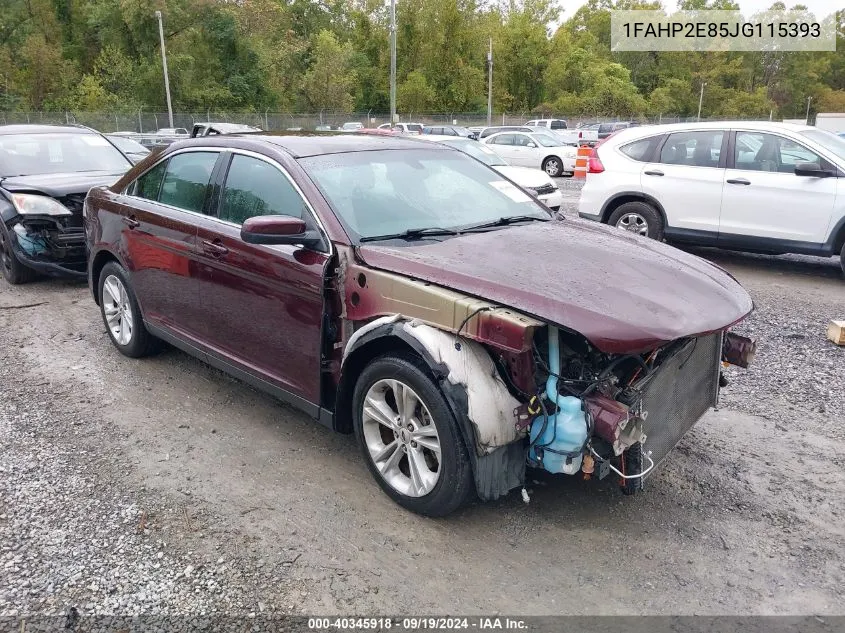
x=164, y=66
x=701, y=99
x=393, y=61
x=490, y=84
x=807, y=117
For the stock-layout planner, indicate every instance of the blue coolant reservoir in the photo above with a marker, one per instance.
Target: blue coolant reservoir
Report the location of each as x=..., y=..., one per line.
x=566, y=432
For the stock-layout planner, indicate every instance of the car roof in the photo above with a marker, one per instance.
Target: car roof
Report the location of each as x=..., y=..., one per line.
x=637, y=132
x=316, y=143
x=33, y=128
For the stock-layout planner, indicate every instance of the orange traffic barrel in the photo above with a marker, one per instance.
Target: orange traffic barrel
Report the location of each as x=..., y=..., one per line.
x=581, y=158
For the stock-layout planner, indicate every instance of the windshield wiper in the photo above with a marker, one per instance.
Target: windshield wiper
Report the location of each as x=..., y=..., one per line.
x=411, y=234
x=506, y=221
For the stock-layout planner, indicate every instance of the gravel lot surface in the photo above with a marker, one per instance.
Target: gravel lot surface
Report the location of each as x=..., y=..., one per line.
x=162, y=486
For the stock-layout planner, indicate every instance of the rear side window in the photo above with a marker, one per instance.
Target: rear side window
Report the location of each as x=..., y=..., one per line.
x=695, y=149
x=255, y=187
x=638, y=150
x=148, y=185
x=186, y=180
x=415, y=127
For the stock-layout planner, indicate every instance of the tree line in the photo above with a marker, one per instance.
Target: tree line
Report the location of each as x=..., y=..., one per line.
x=333, y=56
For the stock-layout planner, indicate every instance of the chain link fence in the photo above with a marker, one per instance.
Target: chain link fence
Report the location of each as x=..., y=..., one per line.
x=143, y=122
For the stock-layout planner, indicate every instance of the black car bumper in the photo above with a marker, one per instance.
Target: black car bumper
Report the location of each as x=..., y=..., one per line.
x=51, y=246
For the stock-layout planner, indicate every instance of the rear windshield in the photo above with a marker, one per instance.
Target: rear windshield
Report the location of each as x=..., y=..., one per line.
x=60, y=153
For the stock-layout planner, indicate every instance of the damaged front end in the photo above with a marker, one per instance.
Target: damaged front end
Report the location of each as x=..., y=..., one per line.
x=47, y=235
x=532, y=394
x=623, y=414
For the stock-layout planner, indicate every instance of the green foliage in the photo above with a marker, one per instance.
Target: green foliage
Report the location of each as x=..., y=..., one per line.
x=333, y=55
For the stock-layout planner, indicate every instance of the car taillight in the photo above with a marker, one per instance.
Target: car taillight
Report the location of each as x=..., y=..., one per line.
x=594, y=165
x=580, y=135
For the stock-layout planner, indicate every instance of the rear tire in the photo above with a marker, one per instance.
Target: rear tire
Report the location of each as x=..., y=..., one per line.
x=553, y=166
x=121, y=314
x=638, y=217
x=842, y=259
x=11, y=268
x=396, y=405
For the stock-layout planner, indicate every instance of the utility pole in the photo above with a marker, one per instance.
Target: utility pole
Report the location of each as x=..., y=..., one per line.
x=393, y=61
x=701, y=99
x=490, y=84
x=164, y=66
x=807, y=117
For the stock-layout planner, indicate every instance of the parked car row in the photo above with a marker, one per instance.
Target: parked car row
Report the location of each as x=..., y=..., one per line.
x=752, y=186
x=404, y=290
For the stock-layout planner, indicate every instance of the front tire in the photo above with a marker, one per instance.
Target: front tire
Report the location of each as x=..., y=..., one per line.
x=553, y=166
x=638, y=217
x=11, y=268
x=121, y=314
x=409, y=437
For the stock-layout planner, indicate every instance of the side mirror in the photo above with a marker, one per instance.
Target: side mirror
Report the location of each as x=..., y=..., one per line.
x=531, y=145
x=279, y=229
x=813, y=170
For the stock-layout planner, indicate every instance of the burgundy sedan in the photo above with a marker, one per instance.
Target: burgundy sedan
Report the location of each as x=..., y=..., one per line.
x=404, y=291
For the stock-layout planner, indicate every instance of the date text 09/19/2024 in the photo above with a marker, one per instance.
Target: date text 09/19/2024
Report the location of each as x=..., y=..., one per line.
x=417, y=623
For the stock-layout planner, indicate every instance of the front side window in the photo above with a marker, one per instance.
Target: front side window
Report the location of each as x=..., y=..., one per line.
x=557, y=124
x=504, y=139
x=377, y=193
x=186, y=180
x=255, y=187
x=759, y=151
x=694, y=149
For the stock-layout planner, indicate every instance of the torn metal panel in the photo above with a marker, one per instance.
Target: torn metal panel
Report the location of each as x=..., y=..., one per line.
x=490, y=406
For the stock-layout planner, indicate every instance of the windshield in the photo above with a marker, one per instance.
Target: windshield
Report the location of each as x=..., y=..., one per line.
x=33, y=154
x=383, y=192
x=831, y=142
x=545, y=140
x=478, y=151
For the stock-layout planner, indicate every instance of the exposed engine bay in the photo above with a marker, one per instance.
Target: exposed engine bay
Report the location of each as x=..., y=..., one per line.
x=621, y=413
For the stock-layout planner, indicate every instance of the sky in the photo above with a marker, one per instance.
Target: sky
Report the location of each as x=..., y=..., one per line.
x=820, y=7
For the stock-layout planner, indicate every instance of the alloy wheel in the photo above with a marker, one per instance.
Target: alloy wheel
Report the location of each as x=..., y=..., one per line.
x=117, y=310
x=552, y=167
x=401, y=438
x=633, y=222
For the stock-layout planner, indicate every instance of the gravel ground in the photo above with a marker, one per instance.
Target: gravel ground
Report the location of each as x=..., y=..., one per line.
x=164, y=487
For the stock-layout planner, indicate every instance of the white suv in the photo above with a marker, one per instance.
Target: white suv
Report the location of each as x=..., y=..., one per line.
x=753, y=186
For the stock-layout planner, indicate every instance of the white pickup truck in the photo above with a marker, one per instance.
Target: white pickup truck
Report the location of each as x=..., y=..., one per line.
x=577, y=136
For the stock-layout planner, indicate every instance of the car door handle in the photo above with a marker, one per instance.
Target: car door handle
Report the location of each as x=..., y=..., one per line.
x=215, y=249
x=738, y=181
x=653, y=172
x=131, y=222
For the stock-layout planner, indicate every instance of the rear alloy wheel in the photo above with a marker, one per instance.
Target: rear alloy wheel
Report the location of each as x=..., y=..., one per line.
x=12, y=270
x=553, y=166
x=409, y=437
x=640, y=218
x=121, y=314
